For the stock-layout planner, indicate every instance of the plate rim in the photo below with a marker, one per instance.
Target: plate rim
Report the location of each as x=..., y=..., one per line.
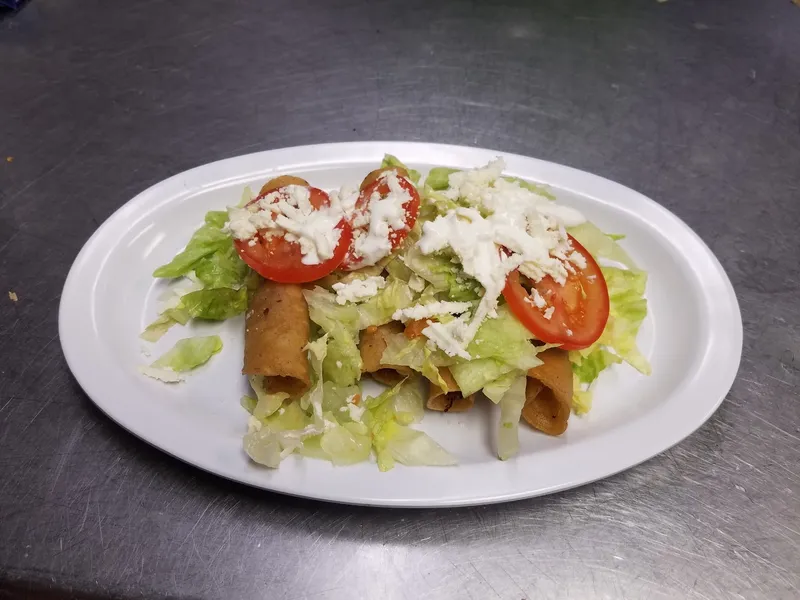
x=335, y=154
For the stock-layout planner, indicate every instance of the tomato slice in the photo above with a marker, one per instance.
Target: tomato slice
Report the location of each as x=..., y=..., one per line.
x=578, y=310
x=374, y=183
x=276, y=259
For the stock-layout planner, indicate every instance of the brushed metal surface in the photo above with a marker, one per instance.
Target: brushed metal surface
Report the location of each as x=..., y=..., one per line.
x=695, y=104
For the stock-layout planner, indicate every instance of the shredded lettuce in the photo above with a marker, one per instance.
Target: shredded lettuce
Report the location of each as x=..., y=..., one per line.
x=473, y=375
x=168, y=318
x=393, y=161
x=511, y=405
x=532, y=187
x=388, y=417
x=206, y=240
x=601, y=245
x=581, y=398
x=342, y=364
x=216, y=218
x=248, y=403
x=505, y=339
x=444, y=274
x=627, y=310
x=346, y=444
x=189, y=353
x=216, y=304
x=222, y=269
x=495, y=390
x=218, y=279
x=416, y=355
x=439, y=178
x=266, y=403
x=379, y=309
x=587, y=368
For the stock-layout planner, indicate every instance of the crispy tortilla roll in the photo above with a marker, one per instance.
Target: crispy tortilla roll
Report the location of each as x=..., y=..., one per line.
x=548, y=395
x=372, y=345
x=276, y=334
x=450, y=400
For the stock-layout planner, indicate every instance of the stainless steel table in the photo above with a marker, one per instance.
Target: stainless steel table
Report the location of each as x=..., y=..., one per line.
x=696, y=104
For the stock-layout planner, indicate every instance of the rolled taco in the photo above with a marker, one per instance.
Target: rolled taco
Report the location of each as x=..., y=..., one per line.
x=548, y=395
x=372, y=346
x=451, y=399
x=276, y=334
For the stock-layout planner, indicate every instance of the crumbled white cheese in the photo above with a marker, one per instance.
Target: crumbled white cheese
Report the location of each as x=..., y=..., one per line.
x=548, y=314
x=382, y=215
x=358, y=290
x=449, y=337
x=289, y=212
x=470, y=185
x=538, y=301
x=356, y=411
x=345, y=198
x=423, y=311
x=338, y=364
x=577, y=259
x=569, y=332
x=165, y=375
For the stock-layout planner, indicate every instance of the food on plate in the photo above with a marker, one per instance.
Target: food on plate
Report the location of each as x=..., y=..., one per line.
x=548, y=393
x=185, y=355
x=462, y=287
x=449, y=398
x=372, y=345
x=275, y=337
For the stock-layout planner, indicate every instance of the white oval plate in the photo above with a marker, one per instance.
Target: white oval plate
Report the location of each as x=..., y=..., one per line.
x=692, y=336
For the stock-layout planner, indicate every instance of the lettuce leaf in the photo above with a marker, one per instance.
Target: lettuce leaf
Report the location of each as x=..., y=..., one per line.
x=387, y=418
x=601, y=245
x=222, y=269
x=189, y=353
x=215, y=304
x=416, y=355
x=206, y=240
x=505, y=339
x=587, y=368
x=342, y=363
x=393, y=161
x=532, y=187
x=439, y=178
x=444, y=274
x=475, y=374
x=511, y=405
x=266, y=403
x=627, y=310
x=346, y=444
x=378, y=310
x=495, y=390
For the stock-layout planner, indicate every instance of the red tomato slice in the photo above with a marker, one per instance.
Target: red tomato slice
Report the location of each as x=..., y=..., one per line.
x=580, y=306
x=276, y=259
x=396, y=236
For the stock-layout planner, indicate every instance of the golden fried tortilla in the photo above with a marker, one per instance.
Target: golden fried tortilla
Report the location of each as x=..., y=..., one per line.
x=372, y=346
x=449, y=400
x=548, y=395
x=276, y=334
